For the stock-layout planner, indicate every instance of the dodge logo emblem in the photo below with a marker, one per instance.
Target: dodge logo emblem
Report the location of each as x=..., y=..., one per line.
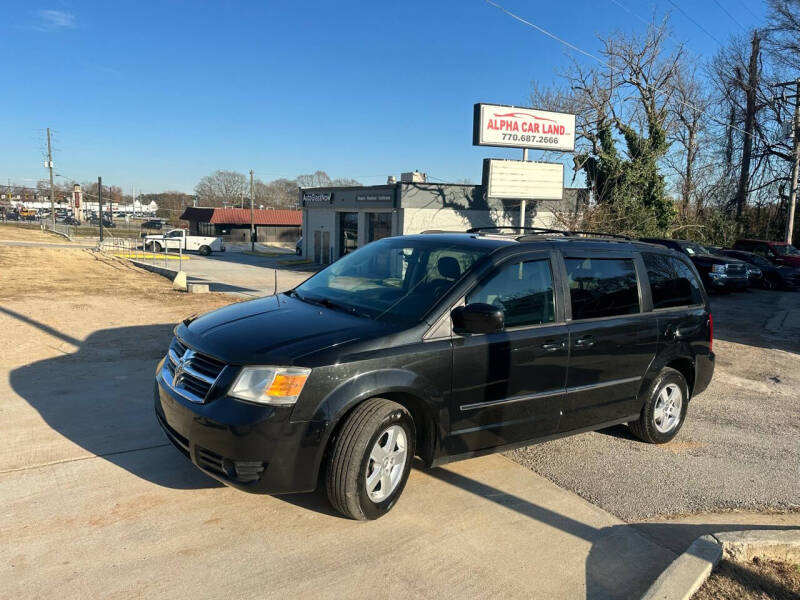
x=181, y=366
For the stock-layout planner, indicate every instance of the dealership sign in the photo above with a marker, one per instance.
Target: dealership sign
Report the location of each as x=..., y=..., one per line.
x=523, y=180
x=514, y=127
x=317, y=197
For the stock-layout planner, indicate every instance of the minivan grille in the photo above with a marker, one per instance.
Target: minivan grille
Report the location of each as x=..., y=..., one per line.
x=191, y=374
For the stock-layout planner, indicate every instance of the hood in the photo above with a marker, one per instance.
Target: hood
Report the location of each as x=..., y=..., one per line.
x=274, y=330
x=708, y=259
x=790, y=260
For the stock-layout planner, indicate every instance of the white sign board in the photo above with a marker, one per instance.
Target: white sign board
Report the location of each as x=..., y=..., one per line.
x=517, y=179
x=513, y=127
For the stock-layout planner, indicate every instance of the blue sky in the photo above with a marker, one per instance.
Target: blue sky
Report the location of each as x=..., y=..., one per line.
x=157, y=94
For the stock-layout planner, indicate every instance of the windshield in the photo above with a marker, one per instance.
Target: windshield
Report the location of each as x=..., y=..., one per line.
x=394, y=279
x=693, y=249
x=786, y=249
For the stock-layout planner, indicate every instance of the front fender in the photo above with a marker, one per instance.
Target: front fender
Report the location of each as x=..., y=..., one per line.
x=376, y=384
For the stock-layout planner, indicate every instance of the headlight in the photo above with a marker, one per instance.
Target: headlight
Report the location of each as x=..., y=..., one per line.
x=277, y=386
x=719, y=268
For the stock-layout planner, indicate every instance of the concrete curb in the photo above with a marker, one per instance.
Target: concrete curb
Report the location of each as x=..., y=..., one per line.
x=690, y=570
x=163, y=271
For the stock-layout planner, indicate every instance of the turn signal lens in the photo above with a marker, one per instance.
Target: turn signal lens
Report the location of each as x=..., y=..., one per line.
x=287, y=385
x=278, y=386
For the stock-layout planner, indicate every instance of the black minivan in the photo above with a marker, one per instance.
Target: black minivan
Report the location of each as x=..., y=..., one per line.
x=443, y=346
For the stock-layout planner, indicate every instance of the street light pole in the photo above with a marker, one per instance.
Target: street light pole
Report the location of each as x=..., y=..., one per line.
x=795, y=158
x=795, y=165
x=52, y=186
x=252, y=219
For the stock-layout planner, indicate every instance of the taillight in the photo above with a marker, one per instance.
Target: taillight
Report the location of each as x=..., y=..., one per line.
x=710, y=332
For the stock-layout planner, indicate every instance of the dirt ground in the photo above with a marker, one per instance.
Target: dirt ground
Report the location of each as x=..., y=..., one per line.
x=20, y=233
x=759, y=579
x=78, y=286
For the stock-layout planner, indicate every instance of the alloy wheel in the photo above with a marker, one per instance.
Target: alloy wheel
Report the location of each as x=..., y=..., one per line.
x=387, y=462
x=667, y=411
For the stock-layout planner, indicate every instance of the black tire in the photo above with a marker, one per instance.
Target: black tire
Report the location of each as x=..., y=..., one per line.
x=349, y=461
x=155, y=247
x=768, y=283
x=204, y=251
x=646, y=428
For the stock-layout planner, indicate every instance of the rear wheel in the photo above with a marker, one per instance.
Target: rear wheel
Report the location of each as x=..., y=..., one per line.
x=204, y=251
x=370, y=460
x=664, y=409
x=155, y=247
x=768, y=283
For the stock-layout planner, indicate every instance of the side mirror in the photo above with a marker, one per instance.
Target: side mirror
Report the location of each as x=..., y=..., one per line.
x=477, y=318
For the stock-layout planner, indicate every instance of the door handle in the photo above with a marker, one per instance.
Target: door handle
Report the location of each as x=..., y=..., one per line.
x=585, y=342
x=551, y=346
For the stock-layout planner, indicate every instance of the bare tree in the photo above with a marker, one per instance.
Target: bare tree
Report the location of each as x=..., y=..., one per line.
x=688, y=132
x=316, y=179
x=623, y=115
x=221, y=188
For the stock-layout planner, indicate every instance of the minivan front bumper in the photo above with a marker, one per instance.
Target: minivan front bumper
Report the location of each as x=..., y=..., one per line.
x=253, y=448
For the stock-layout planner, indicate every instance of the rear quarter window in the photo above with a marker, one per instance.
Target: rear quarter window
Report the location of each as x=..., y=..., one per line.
x=672, y=282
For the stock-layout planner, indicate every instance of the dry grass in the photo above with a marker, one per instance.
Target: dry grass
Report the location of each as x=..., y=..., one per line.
x=28, y=233
x=759, y=579
x=63, y=274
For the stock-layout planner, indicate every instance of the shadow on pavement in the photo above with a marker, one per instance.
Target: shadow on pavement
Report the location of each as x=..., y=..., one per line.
x=101, y=398
x=624, y=560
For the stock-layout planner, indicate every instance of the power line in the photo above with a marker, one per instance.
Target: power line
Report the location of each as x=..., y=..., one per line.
x=725, y=10
x=611, y=68
x=699, y=26
x=672, y=37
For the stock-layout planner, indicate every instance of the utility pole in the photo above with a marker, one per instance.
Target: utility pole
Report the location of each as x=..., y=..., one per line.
x=796, y=158
x=100, y=204
x=252, y=219
x=52, y=187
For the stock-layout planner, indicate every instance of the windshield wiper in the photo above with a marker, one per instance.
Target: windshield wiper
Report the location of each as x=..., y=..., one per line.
x=327, y=303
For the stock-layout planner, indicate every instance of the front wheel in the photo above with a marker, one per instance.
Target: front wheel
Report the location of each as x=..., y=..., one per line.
x=371, y=459
x=664, y=409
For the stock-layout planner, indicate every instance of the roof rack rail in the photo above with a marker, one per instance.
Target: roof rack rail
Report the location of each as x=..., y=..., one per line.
x=431, y=231
x=516, y=228
x=603, y=234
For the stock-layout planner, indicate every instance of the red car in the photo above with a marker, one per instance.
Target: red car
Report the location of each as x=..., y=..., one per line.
x=779, y=253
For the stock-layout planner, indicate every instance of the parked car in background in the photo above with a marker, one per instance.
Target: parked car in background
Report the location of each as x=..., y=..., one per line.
x=71, y=221
x=778, y=253
x=152, y=224
x=719, y=273
x=93, y=220
x=773, y=276
x=443, y=346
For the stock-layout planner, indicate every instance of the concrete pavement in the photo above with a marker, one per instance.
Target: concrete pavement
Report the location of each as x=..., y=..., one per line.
x=94, y=502
x=234, y=271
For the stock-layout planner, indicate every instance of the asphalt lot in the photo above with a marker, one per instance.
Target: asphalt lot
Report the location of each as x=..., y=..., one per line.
x=739, y=447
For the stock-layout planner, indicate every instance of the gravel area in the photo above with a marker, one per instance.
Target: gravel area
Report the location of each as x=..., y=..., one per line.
x=739, y=447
